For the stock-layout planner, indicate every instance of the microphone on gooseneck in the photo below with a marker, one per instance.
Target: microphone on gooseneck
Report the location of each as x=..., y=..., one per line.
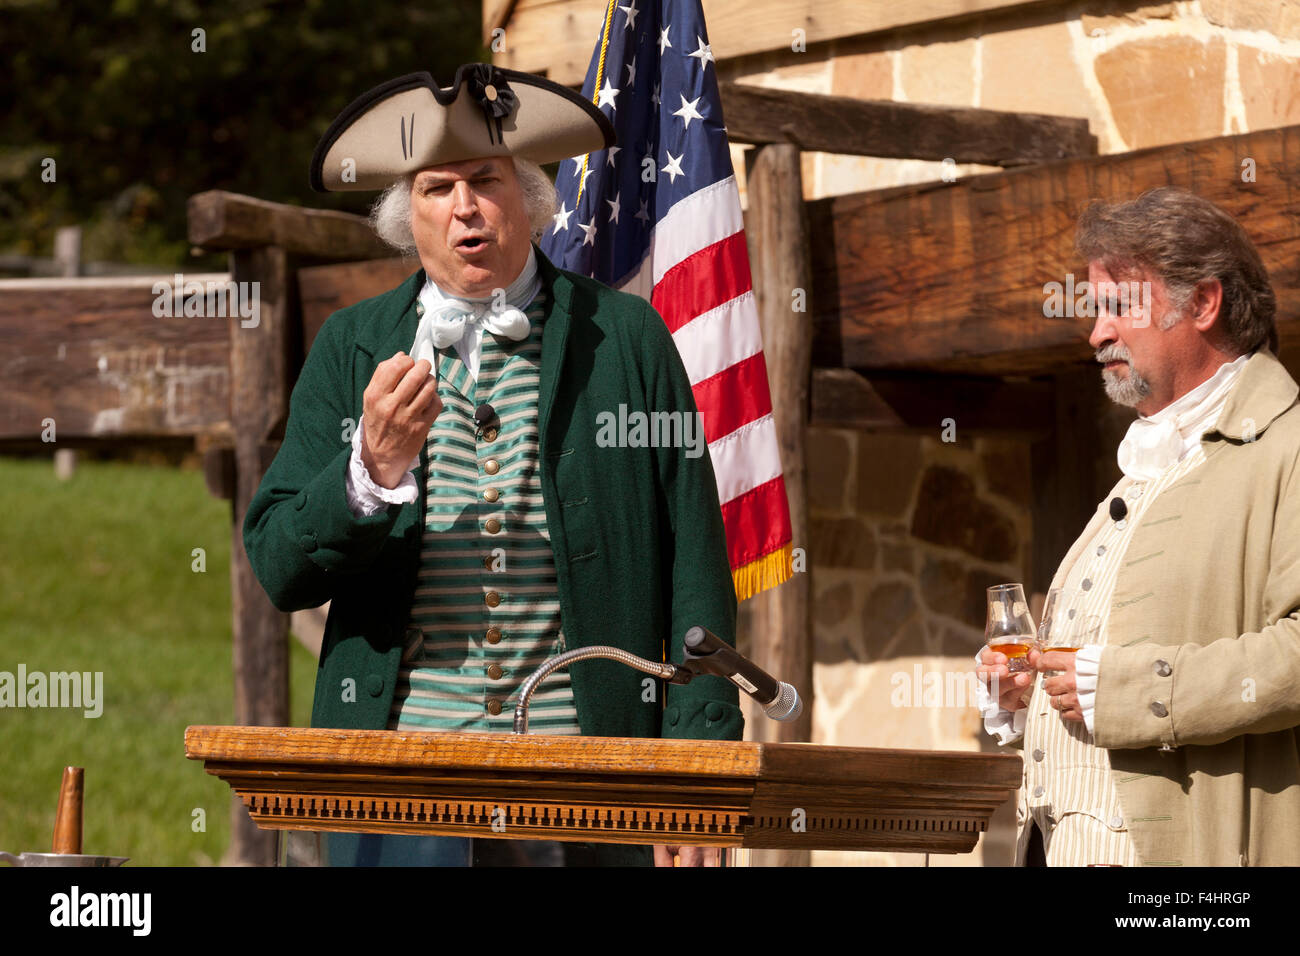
x=707, y=652
x=1118, y=510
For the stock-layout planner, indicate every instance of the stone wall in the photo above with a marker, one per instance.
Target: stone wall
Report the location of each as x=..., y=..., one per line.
x=907, y=531
x=1142, y=75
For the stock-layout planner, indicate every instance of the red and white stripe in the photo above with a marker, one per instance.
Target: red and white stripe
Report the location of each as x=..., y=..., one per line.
x=697, y=276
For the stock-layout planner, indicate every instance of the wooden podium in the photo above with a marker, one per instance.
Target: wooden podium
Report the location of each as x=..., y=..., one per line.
x=609, y=789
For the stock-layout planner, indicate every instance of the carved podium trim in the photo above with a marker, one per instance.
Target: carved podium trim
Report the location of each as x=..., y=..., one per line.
x=609, y=789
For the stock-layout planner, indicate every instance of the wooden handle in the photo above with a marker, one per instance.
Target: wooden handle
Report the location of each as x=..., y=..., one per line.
x=67, y=819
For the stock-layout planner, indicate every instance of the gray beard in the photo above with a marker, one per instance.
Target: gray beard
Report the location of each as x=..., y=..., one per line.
x=1128, y=390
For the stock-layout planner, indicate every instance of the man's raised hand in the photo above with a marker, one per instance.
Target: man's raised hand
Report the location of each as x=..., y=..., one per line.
x=399, y=404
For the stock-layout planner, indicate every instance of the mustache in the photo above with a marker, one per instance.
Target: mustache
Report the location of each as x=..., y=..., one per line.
x=1113, y=353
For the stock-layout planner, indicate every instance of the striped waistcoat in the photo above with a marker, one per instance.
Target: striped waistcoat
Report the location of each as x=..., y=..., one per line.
x=486, y=612
x=1069, y=790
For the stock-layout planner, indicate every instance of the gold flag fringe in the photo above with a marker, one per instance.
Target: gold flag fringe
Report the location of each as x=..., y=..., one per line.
x=767, y=572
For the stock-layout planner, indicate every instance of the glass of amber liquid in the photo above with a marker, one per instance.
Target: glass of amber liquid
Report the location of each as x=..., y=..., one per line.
x=1009, y=629
x=1061, y=629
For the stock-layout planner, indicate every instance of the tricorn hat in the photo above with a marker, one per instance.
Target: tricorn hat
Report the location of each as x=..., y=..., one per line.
x=409, y=123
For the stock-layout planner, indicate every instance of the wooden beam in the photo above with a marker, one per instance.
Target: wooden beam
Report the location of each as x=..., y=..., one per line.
x=496, y=14
x=259, y=406
x=950, y=276
x=781, y=640
x=843, y=398
x=842, y=124
x=223, y=220
x=556, y=38
x=92, y=356
x=325, y=289
x=219, y=471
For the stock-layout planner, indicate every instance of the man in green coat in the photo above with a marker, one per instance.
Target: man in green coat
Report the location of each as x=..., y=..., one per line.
x=349, y=510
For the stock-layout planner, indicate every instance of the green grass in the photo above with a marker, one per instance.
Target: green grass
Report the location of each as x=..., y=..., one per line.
x=96, y=575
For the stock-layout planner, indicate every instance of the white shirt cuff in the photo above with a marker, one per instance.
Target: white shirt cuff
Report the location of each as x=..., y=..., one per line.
x=365, y=498
x=1006, y=725
x=1087, y=662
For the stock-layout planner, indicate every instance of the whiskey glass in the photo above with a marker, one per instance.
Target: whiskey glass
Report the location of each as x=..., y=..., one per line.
x=1009, y=629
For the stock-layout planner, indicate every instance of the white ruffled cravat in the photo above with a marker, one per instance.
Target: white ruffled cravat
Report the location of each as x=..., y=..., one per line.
x=447, y=321
x=1153, y=444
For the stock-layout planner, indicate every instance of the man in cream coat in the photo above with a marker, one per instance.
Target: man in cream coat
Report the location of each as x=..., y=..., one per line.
x=1173, y=737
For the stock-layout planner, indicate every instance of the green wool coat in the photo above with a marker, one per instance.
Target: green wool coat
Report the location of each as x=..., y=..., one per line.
x=640, y=549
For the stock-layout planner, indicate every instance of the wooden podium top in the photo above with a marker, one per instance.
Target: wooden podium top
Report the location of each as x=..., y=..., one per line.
x=609, y=789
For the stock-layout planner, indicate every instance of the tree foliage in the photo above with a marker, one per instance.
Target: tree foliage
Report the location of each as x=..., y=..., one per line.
x=137, y=119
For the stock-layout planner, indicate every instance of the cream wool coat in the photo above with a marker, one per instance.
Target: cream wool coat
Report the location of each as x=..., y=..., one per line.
x=1203, y=652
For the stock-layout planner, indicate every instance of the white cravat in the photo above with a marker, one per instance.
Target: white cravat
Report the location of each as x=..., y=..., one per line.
x=1153, y=444
x=460, y=321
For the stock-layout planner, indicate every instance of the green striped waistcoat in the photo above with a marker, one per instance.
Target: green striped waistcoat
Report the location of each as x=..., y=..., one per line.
x=486, y=610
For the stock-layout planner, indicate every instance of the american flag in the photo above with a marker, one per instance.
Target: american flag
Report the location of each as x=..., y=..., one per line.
x=659, y=216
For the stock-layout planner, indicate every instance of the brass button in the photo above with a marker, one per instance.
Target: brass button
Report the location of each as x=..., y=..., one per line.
x=492, y=494
x=492, y=525
x=487, y=563
x=494, y=635
x=494, y=671
x=491, y=466
x=489, y=434
x=494, y=706
x=492, y=599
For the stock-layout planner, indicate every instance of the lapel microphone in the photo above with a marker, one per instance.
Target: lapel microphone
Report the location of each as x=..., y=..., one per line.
x=483, y=416
x=1118, y=510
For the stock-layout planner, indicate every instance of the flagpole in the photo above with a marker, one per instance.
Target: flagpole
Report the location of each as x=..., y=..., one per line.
x=595, y=89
